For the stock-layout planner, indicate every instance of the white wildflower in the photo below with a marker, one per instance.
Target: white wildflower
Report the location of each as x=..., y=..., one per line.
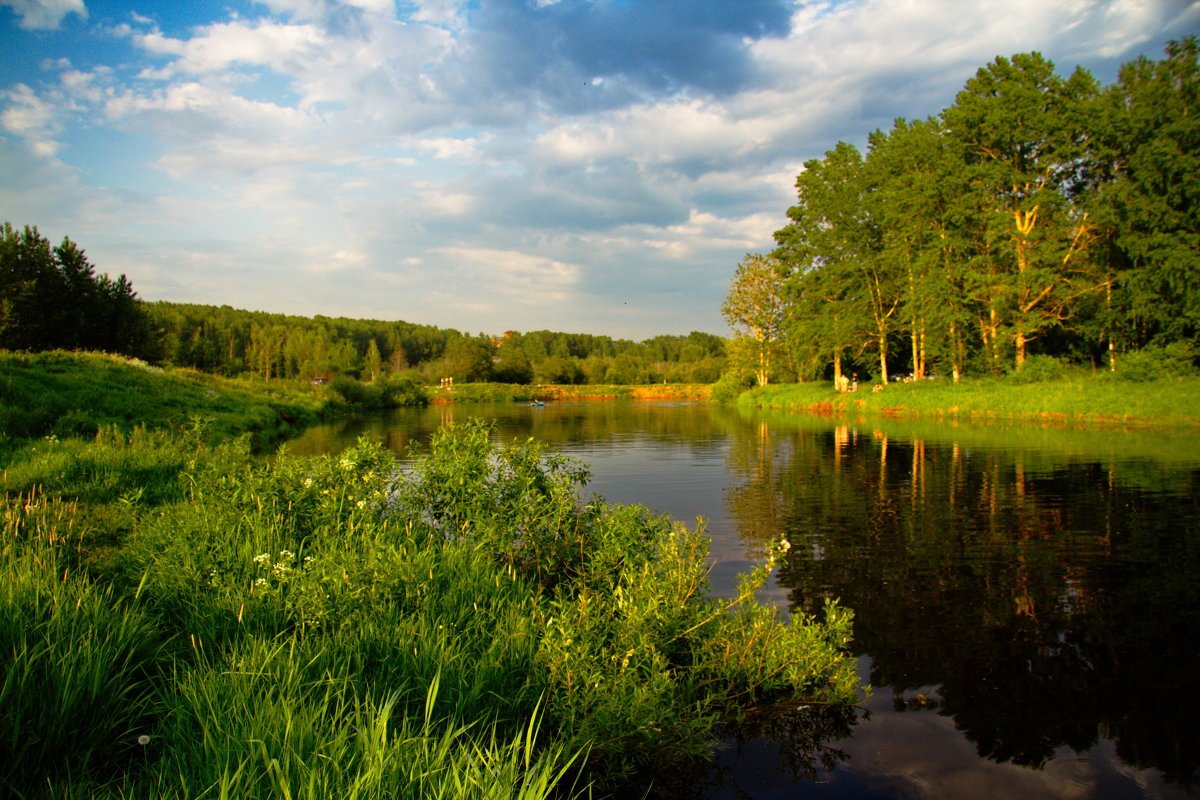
x=281, y=567
x=287, y=554
x=143, y=740
x=260, y=581
x=262, y=558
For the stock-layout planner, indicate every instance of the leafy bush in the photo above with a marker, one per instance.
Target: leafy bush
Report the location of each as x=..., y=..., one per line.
x=1150, y=363
x=726, y=390
x=1038, y=369
x=392, y=391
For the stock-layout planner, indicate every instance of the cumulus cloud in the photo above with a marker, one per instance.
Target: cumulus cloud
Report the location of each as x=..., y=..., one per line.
x=44, y=14
x=32, y=118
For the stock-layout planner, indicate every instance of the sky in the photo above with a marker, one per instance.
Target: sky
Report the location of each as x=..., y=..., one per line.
x=591, y=166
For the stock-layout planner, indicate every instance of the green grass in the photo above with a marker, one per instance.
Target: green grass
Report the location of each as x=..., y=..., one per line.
x=184, y=620
x=1089, y=398
x=75, y=394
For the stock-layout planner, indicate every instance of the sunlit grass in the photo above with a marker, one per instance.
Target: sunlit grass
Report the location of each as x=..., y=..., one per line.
x=187, y=621
x=1079, y=397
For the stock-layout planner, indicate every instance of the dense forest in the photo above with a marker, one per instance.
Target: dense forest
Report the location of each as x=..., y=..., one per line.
x=52, y=298
x=232, y=342
x=1038, y=216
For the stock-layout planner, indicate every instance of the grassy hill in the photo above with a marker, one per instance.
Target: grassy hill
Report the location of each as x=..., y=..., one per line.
x=64, y=394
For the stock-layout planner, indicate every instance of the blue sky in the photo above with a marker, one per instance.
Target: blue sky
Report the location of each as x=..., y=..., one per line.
x=597, y=166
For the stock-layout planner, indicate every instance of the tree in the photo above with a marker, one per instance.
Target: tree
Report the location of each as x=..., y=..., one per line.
x=52, y=298
x=754, y=310
x=841, y=299
x=372, y=362
x=915, y=172
x=1151, y=204
x=1023, y=132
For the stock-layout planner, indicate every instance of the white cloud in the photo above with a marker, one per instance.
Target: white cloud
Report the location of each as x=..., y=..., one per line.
x=334, y=148
x=514, y=276
x=32, y=118
x=449, y=148
x=220, y=46
x=44, y=14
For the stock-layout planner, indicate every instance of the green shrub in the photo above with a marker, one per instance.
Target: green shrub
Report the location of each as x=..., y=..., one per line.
x=1151, y=363
x=1039, y=369
x=726, y=390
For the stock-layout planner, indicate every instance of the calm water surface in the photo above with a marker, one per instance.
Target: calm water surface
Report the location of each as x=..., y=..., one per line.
x=1027, y=600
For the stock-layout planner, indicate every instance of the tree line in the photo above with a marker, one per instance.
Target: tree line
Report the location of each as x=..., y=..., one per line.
x=234, y=342
x=1036, y=216
x=52, y=298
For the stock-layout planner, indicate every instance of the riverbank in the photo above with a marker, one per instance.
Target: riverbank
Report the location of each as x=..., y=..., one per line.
x=65, y=394
x=185, y=618
x=1089, y=400
x=521, y=393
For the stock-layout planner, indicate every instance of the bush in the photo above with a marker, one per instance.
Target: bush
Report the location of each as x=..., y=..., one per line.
x=1151, y=363
x=1038, y=369
x=726, y=390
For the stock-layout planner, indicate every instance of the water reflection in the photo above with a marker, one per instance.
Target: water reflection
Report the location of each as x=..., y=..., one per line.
x=1039, y=603
x=1027, y=603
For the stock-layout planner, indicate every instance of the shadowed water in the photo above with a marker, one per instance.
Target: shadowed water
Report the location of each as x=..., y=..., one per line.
x=1027, y=599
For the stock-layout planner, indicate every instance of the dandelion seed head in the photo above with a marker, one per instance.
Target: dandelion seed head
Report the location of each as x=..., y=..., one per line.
x=143, y=740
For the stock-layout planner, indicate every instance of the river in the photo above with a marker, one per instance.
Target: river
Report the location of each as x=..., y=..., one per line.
x=1026, y=598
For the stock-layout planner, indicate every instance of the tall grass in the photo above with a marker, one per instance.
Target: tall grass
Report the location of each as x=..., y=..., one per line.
x=286, y=627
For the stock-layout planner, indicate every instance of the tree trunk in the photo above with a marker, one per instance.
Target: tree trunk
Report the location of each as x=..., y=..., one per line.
x=883, y=371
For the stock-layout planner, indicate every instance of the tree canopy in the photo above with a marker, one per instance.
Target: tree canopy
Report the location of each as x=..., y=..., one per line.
x=1036, y=215
x=51, y=297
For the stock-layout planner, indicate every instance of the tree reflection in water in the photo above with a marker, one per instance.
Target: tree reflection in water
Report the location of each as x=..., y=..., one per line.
x=1052, y=601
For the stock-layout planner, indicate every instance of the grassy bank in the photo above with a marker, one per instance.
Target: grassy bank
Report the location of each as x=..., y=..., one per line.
x=1091, y=399
x=74, y=394
x=518, y=393
x=182, y=619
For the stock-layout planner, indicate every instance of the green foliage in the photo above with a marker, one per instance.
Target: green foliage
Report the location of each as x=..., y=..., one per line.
x=731, y=385
x=231, y=342
x=1152, y=363
x=1035, y=208
x=639, y=659
x=51, y=298
x=331, y=627
x=1040, y=368
x=392, y=391
x=1079, y=397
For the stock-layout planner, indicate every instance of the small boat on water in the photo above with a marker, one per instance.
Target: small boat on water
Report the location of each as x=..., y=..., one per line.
x=537, y=403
